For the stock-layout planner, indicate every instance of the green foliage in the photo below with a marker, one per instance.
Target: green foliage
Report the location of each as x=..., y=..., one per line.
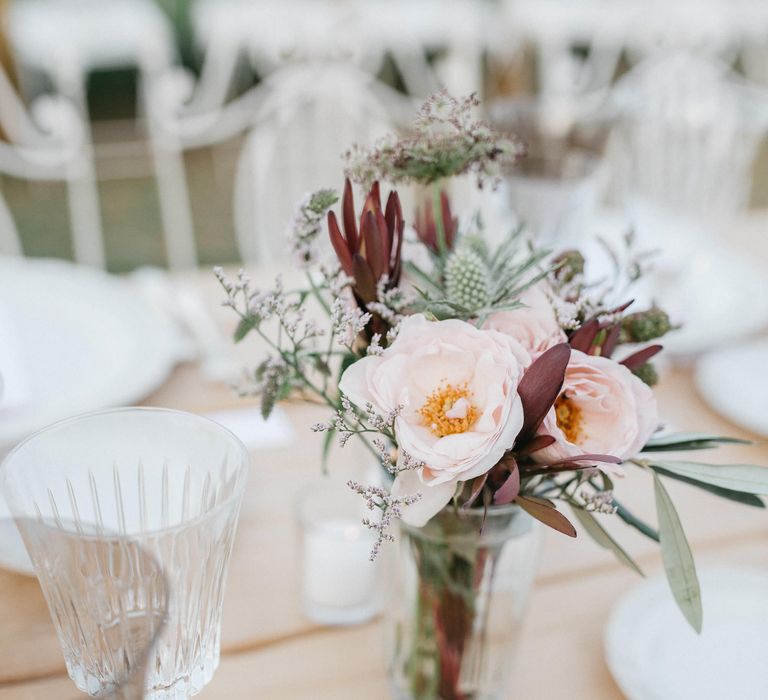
x=690, y=441
x=647, y=373
x=466, y=279
x=244, y=327
x=642, y=326
x=747, y=499
x=455, y=288
x=322, y=200
x=600, y=535
x=633, y=521
x=678, y=558
x=744, y=478
x=445, y=142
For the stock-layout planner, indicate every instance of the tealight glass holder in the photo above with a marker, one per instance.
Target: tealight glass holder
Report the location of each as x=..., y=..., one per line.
x=340, y=584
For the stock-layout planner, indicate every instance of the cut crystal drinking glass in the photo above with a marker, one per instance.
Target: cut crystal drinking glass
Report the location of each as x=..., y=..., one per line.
x=129, y=518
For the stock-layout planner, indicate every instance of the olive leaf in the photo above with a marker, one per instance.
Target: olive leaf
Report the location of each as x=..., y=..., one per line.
x=600, y=535
x=747, y=478
x=677, y=557
x=747, y=499
x=690, y=441
x=632, y=520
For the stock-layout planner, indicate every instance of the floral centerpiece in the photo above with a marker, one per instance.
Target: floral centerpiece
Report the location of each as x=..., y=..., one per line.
x=492, y=382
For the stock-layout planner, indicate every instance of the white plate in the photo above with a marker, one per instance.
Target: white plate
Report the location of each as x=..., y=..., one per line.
x=734, y=382
x=716, y=294
x=87, y=341
x=654, y=655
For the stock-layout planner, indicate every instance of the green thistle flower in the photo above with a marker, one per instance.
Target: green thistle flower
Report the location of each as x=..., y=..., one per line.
x=643, y=326
x=646, y=373
x=466, y=279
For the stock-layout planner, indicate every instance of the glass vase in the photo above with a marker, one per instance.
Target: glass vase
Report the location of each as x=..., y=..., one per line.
x=461, y=584
x=129, y=517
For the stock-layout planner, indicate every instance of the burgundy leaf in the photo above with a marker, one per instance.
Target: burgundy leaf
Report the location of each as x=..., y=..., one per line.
x=540, y=500
x=373, y=249
x=391, y=218
x=372, y=202
x=536, y=469
x=541, y=386
x=477, y=485
x=385, y=242
x=397, y=261
x=339, y=244
x=348, y=207
x=449, y=225
x=509, y=489
x=364, y=280
x=597, y=457
x=609, y=345
x=547, y=515
x=622, y=308
x=608, y=459
x=583, y=338
x=641, y=357
x=534, y=445
x=425, y=233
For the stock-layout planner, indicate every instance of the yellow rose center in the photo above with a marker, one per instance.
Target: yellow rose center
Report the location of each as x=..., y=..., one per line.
x=448, y=410
x=569, y=418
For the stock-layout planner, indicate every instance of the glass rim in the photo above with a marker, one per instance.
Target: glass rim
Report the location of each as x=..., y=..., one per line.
x=242, y=469
x=475, y=514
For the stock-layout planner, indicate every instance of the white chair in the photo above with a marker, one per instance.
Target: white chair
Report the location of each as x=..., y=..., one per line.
x=309, y=116
x=67, y=39
x=687, y=136
x=50, y=143
x=274, y=33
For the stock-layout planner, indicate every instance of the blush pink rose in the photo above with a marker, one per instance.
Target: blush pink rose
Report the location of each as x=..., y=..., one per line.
x=602, y=409
x=535, y=325
x=461, y=411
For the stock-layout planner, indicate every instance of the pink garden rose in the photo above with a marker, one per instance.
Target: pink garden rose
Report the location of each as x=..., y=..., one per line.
x=461, y=412
x=535, y=326
x=603, y=409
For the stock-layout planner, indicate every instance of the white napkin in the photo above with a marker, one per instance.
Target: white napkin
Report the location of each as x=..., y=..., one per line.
x=253, y=430
x=15, y=389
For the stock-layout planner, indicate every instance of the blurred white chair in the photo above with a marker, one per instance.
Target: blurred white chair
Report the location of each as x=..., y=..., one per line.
x=687, y=136
x=50, y=144
x=309, y=116
x=272, y=34
x=67, y=39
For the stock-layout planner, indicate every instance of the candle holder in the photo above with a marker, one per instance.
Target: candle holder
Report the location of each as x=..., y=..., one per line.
x=340, y=585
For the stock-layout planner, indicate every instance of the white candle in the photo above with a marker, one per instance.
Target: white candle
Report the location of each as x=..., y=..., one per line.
x=339, y=580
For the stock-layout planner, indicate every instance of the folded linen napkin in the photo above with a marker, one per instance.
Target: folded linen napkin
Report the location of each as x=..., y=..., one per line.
x=15, y=389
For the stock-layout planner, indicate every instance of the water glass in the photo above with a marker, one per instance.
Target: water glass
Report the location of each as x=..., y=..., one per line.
x=129, y=517
x=556, y=188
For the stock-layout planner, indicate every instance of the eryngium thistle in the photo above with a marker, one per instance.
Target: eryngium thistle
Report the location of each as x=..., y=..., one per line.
x=646, y=373
x=466, y=279
x=643, y=326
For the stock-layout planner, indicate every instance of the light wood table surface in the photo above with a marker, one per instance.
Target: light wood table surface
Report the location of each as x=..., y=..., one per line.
x=270, y=651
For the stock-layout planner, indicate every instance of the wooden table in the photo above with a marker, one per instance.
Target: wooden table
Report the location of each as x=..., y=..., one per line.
x=271, y=651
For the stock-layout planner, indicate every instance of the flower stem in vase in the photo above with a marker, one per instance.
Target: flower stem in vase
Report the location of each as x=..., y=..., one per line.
x=445, y=618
